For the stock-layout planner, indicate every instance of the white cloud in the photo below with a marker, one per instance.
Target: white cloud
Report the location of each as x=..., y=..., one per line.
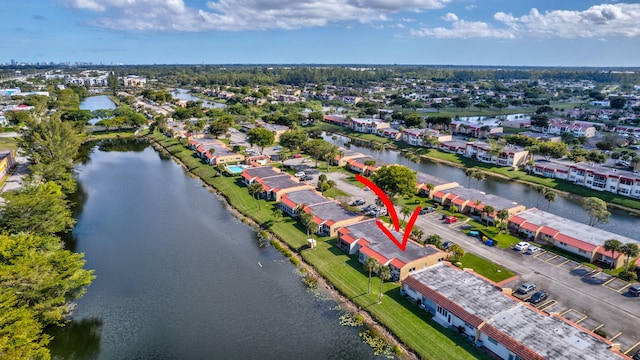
x=463, y=30
x=237, y=15
x=450, y=17
x=599, y=21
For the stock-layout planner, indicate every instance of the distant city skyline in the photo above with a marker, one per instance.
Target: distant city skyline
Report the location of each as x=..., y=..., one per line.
x=404, y=32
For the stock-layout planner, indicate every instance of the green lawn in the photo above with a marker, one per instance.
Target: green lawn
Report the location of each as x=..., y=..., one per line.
x=486, y=268
x=410, y=324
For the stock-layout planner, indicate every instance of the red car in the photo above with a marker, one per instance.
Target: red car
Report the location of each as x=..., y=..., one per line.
x=450, y=219
x=297, y=156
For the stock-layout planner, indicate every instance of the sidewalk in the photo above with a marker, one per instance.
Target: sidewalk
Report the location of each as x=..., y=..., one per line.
x=14, y=182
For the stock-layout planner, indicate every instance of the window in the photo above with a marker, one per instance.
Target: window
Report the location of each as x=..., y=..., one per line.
x=491, y=340
x=582, y=251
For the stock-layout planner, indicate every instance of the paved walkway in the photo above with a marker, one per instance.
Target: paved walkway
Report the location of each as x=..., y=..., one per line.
x=15, y=180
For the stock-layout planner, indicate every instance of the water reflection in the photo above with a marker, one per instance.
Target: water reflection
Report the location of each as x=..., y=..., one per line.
x=80, y=340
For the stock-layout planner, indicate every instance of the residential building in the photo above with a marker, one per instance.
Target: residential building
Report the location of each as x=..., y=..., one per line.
x=423, y=180
x=251, y=175
x=454, y=146
x=347, y=156
x=493, y=319
x=390, y=133
x=134, y=81
x=561, y=126
x=511, y=155
x=358, y=165
x=7, y=162
x=568, y=235
x=293, y=202
x=331, y=216
x=472, y=201
x=550, y=169
x=602, y=178
x=276, y=186
x=337, y=120
x=276, y=129
x=369, y=126
x=413, y=136
x=367, y=240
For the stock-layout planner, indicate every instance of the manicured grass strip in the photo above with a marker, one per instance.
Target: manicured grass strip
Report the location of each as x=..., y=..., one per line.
x=486, y=268
x=8, y=143
x=410, y=324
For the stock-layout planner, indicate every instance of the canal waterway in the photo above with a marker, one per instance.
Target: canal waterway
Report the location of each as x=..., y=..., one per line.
x=99, y=102
x=179, y=277
x=621, y=222
x=183, y=94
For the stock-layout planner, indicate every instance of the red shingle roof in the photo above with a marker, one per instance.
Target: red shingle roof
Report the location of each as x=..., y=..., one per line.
x=575, y=242
x=530, y=227
x=549, y=231
x=517, y=220
x=371, y=253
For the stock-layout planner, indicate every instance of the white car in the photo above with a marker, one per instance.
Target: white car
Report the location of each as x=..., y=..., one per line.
x=521, y=246
x=299, y=174
x=532, y=250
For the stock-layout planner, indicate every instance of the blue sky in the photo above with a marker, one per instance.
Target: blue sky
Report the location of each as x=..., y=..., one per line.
x=431, y=32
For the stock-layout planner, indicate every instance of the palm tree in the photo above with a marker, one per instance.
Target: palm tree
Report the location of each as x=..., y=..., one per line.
x=370, y=265
x=307, y=221
x=480, y=176
x=384, y=273
x=477, y=205
x=406, y=211
x=550, y=196
x=435, y=240
x=255, y=189
x=284, y=155
x=630, y=250
x=430, y=187
x=488, y=210
x=612, y=245
x=502, y=215
x=456, y=251
x=470, y=173
x=416, y=235
x=277, y=214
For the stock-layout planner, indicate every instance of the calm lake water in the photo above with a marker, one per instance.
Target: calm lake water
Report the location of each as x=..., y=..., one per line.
x=183, y=94
x=621, y=222
x=99, y=102
x=178, y=277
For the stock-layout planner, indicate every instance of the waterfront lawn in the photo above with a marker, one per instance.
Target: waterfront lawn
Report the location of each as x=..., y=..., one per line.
x=410, y=324
x=486, y=268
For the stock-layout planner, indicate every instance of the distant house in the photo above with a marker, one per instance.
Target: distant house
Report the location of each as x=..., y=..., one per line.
x=550, y=169
x=602, y=178
x=337, y=120
x=511, y=155
x=472, y=201
x=348, y=155
x=276, y=186
x=366, y=240
x=251, y=175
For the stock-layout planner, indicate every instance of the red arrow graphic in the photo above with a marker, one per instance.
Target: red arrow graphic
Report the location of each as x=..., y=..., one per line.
x=392, y=212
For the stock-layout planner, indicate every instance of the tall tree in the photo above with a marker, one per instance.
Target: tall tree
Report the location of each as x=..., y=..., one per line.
x=52, y=146
x=614, y=246
x=395, y=180
x=456, y=251
x=597, y=210
x=42, y=274
x=255, y=189
x=293, y=140
x=308, y=222
x=384, y=273
x=370, y=265
x=470, y=173
x=40, y=209
x=630, y=250
x=550, y=196
x=22, y=333
x=261, y=137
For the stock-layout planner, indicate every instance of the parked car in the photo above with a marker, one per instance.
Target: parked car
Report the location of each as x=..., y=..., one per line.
x=450, y=219
x=297, y=156
x=299, y=174
x=532, y=250
x=538, y=297
x=522, y=245
x=370, y=207
x=306, y=178
x=358, y=202
x=634, y=289
x=447, y=244
x=526, y=288
x=427, y=210
x=277, y=148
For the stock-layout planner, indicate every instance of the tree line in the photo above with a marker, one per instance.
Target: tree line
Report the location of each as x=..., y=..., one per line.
x=39, y=277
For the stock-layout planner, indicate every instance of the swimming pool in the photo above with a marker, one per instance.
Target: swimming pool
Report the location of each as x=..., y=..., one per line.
x=236, y=169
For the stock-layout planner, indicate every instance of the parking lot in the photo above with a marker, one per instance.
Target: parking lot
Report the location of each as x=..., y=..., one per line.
x=619, y=328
